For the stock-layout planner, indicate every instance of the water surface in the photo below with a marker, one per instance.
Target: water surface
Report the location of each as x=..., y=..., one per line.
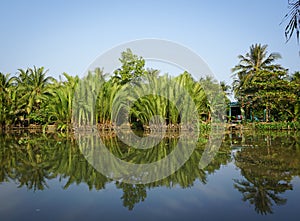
x=253, y=176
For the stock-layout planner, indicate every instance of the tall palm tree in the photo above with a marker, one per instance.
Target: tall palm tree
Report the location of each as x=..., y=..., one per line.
x=256, y=60
x=33, y=86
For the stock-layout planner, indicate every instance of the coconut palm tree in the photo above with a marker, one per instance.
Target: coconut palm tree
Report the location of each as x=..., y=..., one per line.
x=255, y=61
x=293, y=17
x=5, y=91
x=33, y=86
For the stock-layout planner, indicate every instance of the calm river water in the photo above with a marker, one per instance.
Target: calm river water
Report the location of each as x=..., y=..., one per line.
x=254, y=176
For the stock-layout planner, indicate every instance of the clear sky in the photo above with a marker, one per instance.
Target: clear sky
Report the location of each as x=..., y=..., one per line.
x=67, y=35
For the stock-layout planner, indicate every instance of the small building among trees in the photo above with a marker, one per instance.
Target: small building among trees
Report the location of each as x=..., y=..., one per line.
x=235, y=112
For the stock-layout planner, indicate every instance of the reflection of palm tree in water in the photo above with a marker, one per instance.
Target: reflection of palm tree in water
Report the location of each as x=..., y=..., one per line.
x=31, y=161
x=268, y=171
x=262, y=193
x=31, y=168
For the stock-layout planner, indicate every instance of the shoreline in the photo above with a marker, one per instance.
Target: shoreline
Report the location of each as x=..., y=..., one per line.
x=255, y=126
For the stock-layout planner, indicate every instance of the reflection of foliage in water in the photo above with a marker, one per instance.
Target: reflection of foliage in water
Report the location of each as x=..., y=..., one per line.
x=132, y=194
x=33, y=160
x=24, y=162
x=268, y=166
x=223, y=156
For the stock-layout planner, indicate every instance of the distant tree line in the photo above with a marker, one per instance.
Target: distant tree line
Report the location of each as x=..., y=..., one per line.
x=32, y=99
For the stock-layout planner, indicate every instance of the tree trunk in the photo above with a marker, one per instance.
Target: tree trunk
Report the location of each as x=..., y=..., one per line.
x=267, y=113
x=252, y=115
x=208, y=117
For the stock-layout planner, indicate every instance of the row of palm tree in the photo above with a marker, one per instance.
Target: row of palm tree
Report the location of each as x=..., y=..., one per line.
x=31, y=98
x=133, y=95
x=23, y=96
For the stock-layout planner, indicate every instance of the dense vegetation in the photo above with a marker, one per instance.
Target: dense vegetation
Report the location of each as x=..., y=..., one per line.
x=267, y=166
x=31, y=99
x=264, y=88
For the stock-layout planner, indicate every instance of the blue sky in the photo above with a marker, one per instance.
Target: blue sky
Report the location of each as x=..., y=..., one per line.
x=66, y=35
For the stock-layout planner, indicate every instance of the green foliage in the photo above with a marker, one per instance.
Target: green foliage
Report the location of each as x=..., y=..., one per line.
x=60, y=101
x=85, y=98
x=278, y=126
x=268, y=163
x=268, y=166
x=263, y=88
x=293, y=20
x=5, y=99
x=130, y=82
x=271, y=90
x=32, y=98
x=34, y=160
x=132, y=68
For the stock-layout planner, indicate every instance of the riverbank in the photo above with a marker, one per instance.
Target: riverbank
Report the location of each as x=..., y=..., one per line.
x=272, y=126
x=261, y=126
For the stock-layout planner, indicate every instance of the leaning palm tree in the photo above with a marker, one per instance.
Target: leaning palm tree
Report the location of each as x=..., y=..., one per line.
x=293, y=17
